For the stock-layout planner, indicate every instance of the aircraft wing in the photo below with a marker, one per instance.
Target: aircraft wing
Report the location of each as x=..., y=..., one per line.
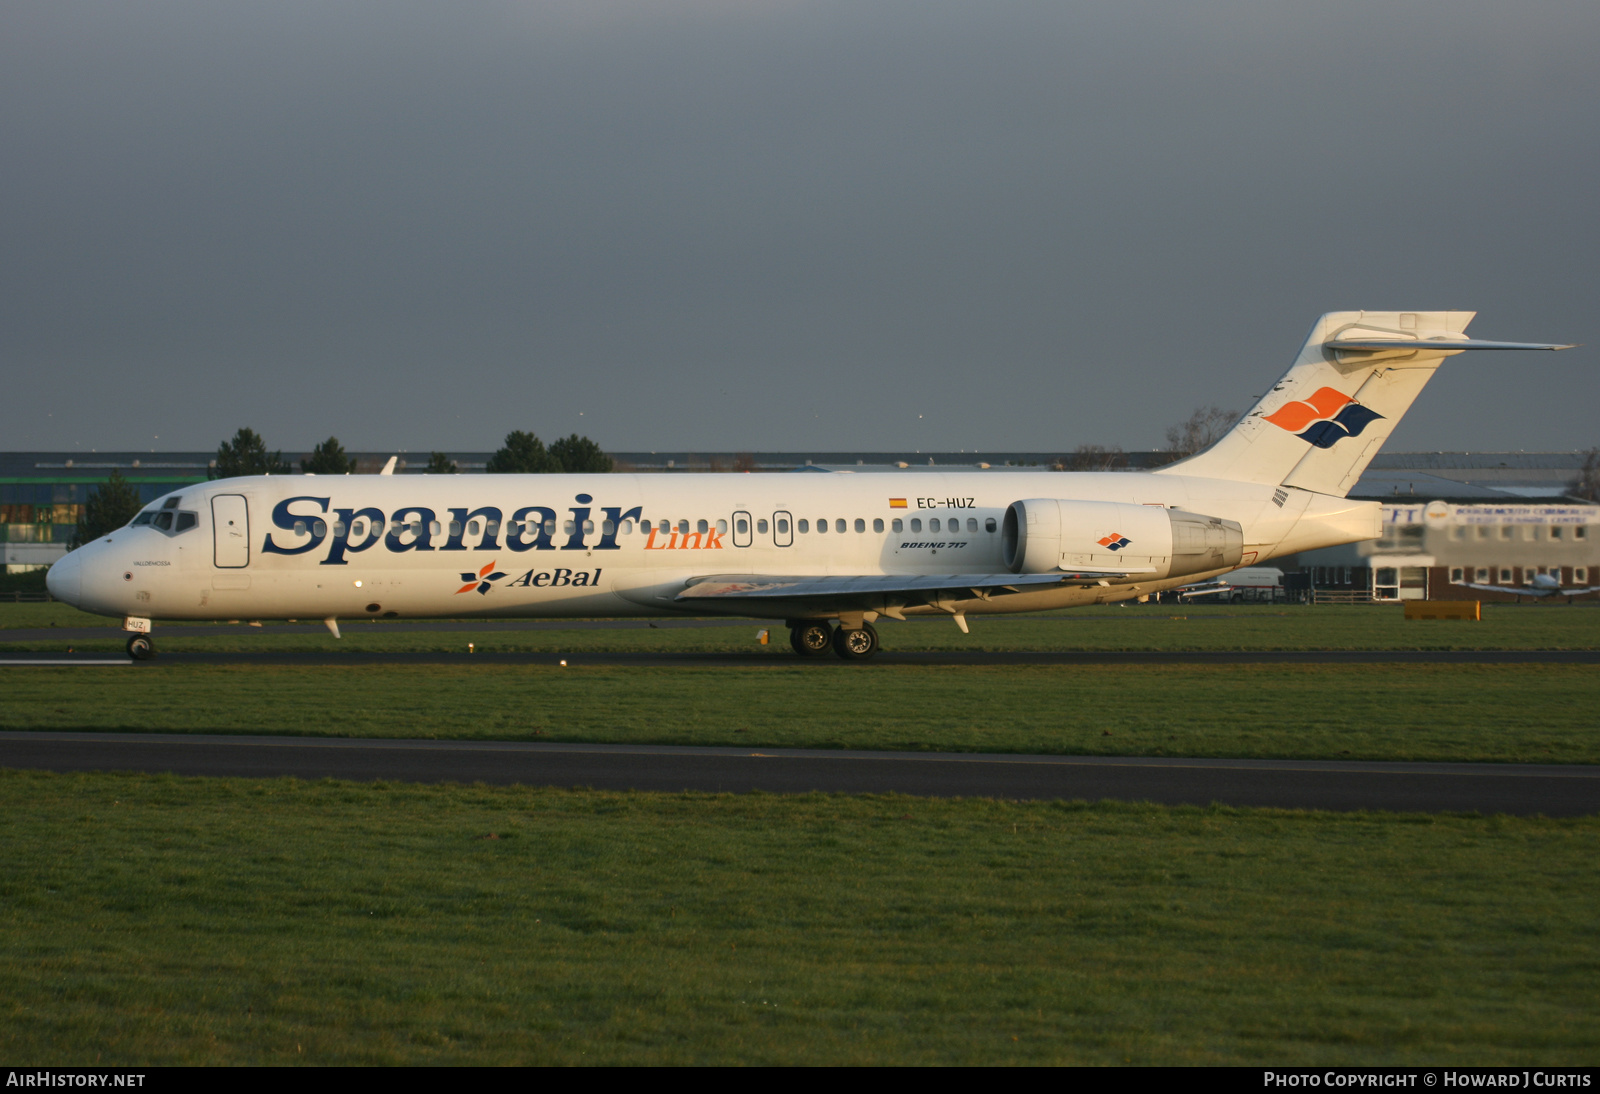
x=917, y=586
x=1527, y=590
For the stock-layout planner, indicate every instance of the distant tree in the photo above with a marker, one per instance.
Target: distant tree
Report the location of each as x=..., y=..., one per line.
x=580, y=456
x=522, y=454
x=1200, y=430
x=247, y=454
x=328, y=458
x=1587, y=484
x=440, y=464
x=1096, y=457
x=114, y=503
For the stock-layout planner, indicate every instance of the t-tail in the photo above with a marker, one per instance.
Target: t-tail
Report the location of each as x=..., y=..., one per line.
x=1321, y=425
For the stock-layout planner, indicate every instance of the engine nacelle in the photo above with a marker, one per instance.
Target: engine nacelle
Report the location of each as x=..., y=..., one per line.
x=1041, y=535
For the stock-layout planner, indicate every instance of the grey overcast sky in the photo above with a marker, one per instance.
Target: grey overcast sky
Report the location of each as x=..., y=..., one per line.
x=719, y=225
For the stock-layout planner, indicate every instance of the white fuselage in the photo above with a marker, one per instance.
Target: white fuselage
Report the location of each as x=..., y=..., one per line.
x=356, y=546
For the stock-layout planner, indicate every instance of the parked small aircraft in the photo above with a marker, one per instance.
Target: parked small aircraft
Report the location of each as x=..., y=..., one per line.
x=1540, y=585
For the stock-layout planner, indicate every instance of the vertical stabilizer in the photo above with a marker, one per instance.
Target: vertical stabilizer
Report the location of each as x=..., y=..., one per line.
x=1319, y=426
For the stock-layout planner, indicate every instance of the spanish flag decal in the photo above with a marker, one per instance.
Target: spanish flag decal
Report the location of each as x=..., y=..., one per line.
x=897, y=503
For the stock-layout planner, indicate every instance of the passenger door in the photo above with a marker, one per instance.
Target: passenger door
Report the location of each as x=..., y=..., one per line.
x=230, y=531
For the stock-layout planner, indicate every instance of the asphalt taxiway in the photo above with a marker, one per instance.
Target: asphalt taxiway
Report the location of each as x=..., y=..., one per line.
x=776, y=657
x=1548, y=789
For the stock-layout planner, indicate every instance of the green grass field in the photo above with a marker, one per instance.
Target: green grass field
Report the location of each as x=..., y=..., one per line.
x=158, y=920
x=1134, y=627
x=1524, y=713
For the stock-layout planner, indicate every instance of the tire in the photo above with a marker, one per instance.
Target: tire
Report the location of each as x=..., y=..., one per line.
x=810, y=639
x=140, y=648
x=855, y=645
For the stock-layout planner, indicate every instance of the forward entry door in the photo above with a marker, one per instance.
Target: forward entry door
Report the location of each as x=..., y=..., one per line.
x=230, y=531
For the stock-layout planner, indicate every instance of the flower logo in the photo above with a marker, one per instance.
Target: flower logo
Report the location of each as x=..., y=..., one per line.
x=482, y=580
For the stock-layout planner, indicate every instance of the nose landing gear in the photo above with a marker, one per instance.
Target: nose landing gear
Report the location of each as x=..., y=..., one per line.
x=140, y=648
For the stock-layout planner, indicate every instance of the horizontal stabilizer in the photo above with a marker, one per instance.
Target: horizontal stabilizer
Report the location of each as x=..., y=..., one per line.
x=787, y=588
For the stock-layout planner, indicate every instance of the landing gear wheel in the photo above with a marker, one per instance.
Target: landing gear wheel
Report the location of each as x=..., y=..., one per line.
x=810, y=639
x=140, y=648
x=855, y=645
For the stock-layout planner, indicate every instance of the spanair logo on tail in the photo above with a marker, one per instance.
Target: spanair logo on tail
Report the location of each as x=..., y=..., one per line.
x=1324, y=419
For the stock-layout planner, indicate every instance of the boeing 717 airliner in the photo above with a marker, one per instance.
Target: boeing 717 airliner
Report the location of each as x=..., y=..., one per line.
x=828, y=554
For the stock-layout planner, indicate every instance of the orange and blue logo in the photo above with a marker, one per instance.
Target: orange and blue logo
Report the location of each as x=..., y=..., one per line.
x=1116, y=541
x=1324, y=419
x=483, y=580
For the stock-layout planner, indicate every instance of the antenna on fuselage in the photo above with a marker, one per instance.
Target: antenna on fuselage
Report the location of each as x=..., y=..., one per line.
x=388, y=468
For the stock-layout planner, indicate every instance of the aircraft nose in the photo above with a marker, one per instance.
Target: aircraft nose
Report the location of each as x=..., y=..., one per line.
x=65, y=579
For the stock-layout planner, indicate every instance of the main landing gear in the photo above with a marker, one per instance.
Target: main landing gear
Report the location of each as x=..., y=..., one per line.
x=140, y=648
x=811, y=637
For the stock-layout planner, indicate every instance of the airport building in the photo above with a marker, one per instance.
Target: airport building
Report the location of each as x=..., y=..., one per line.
x=1448, y=518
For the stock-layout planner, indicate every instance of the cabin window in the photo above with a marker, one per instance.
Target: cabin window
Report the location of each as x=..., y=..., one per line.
x=683, y=527
x=861, y=525
x=549, y=527
x=359, y=529
x=455, y=528
x=722, y=526
x=666, y=525
x=416, y=528
x=933, y=525
x=804, y=526
x=989, y=525
x=702, y=527
x=761, y=526
x=741, y=526
x=839, y=525
x=897, y=525
x=972, y=524
x=588, y=527
x=472, y=528
x=490, y=528
x=877, y=524
x=338, y=529
x=822, y=525
x=433, y=528
x=607, y=528
x=165, y=521
x=318, y=528
x=916, y=524
x=627, y=527
x=783, y=527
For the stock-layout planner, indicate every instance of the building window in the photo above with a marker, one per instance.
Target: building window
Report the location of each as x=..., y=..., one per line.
x=1483, y=531
x=1456, y=575
x=1505, y=574
x=1580, y=532
x=1557, y=532
x=1580, y=574
x=1481, y=574
x=1506, y=531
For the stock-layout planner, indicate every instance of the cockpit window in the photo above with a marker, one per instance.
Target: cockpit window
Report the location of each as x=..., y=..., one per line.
x=163, y=521
x=169, y=521
x=171, y=503
x=143, y=518
x=187, y=521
